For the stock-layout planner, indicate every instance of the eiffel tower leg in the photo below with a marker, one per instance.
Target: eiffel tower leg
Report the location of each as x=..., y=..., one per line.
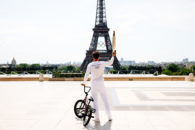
x=86, y=61
x=116, y=64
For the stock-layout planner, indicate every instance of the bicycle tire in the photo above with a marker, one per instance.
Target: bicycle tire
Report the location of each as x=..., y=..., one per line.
x=87, y=116
x=79, y=108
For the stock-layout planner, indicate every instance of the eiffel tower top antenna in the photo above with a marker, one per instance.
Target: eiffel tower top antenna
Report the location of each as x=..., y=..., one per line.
x=101, y=14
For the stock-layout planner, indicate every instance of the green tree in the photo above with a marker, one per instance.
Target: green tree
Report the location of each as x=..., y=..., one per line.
x=77, y=70
x=22, y=67
x=62, y=69
x=193, y=69
x=111, y=70
x=167, y=72
x=71, y=68
x=68, y=69
x=155, y=73
x=173, y=67
x=35, y=67
x=183, y=71
x=124, y=70
x=13, y=72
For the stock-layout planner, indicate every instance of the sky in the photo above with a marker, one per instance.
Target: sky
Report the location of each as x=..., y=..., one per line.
x=58, y=31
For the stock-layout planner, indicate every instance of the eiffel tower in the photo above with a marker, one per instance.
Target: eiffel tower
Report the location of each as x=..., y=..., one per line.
x=101, y=40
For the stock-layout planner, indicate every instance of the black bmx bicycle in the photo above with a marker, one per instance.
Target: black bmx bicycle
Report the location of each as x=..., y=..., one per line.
x=83, y=109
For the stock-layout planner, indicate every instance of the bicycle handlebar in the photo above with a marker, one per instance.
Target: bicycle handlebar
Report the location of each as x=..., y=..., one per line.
x=85, y=89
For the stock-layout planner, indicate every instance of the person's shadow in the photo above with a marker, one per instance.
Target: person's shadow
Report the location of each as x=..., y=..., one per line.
x=98, y=126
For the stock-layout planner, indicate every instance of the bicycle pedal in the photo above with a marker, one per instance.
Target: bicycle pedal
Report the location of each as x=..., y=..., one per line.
x=93, y=110
x=91, y=99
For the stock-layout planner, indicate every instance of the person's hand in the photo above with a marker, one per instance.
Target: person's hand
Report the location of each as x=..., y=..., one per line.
x=83, y=84
x=114, y=53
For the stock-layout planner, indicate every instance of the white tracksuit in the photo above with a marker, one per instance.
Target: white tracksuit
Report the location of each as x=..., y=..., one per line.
x=96, y=68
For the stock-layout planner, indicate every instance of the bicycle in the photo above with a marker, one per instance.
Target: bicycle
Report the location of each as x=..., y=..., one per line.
x=83, y=109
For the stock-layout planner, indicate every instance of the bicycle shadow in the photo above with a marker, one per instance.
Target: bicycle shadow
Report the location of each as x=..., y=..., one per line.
x=98, y=126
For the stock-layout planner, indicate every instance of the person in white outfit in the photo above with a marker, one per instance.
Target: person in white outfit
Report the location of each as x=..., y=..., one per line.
x=96, y=69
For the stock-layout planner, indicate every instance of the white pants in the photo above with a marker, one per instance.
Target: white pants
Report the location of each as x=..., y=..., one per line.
x=97, y=87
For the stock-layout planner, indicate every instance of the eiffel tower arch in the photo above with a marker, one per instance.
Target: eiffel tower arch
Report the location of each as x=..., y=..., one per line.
x=100, y=40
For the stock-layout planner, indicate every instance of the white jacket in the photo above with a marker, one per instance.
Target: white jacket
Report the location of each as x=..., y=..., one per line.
x=96, y=68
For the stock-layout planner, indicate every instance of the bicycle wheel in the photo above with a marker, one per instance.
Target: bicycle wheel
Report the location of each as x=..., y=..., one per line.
x=87, y=116
x=79, y=108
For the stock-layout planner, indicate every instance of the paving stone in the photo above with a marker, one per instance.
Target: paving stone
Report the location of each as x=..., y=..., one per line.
x=143, y=105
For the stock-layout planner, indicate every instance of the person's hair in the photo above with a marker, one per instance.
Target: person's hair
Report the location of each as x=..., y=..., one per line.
x=95, y=55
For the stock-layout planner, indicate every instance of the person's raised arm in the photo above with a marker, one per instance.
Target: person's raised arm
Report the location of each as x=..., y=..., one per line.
x=86, y=75
x=110, y=62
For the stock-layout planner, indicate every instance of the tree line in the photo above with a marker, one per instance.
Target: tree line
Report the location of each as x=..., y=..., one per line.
x=171, y=69
x=149, y=69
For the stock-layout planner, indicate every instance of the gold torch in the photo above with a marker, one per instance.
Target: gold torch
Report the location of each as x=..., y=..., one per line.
x=113, y=42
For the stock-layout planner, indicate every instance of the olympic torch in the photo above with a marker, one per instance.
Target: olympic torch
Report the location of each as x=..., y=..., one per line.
x=113, y=42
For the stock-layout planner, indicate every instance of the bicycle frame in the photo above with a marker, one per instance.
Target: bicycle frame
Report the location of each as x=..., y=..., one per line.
x=87, y=102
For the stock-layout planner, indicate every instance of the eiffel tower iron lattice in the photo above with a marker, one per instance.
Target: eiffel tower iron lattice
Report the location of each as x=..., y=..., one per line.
x=101, y=40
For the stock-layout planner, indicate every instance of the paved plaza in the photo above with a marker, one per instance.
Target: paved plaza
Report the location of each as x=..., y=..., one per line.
x=152, y=105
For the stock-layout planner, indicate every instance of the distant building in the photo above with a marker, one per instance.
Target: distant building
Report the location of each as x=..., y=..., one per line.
x=68, y=63
x=126, y=62
x=13, y=63
x=151, y=63
x=76, y=64
x=141, y=64
x=188, y=66
x=185, y=60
